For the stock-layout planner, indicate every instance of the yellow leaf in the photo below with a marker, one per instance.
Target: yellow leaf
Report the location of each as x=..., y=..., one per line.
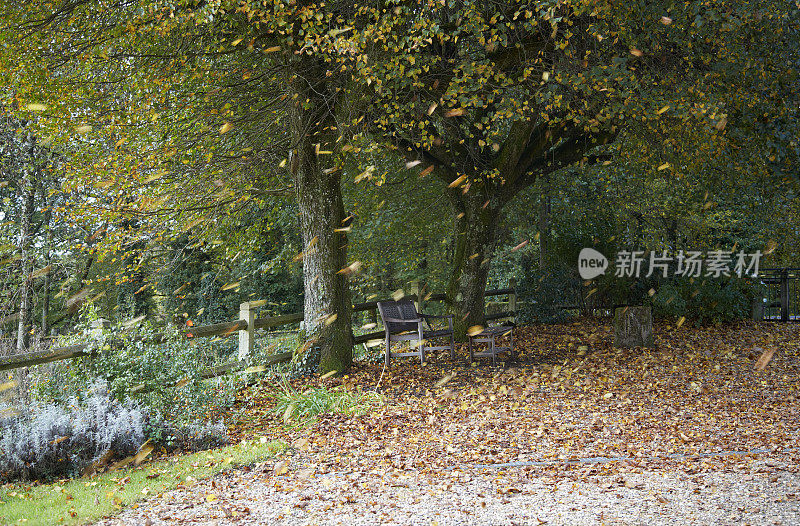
x=457, y=181
x=662, y=110
x=237, y=42
x=272, y=49
x=143, y=452
x=84, y=129
x=664, y=166
x=35, y=106
x=456, y=112
x=328, y=375
x=211, y=498
x=230, y=286
x=8, y=385
x=225, y=128
x=680, y=322
x=475, y=329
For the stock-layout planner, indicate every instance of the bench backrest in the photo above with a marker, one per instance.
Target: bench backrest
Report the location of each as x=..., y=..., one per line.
x=403, y=310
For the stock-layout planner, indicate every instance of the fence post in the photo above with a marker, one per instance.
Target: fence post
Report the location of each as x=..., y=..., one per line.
x=246, y=336
x=785, y=295
x=512, y=296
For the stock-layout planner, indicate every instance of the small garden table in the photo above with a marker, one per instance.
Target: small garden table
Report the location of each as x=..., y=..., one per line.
x=488, y=336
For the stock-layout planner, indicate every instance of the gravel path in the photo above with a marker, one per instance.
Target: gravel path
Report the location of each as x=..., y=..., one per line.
x=766, y=492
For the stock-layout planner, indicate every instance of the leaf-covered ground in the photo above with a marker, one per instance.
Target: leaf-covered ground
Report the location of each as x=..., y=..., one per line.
x=571, y=396
x=575, y=432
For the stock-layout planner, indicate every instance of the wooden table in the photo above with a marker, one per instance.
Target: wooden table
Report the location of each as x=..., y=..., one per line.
x=488, y=336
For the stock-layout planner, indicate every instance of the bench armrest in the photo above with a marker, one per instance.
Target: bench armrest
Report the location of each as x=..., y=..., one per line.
x=400, y=320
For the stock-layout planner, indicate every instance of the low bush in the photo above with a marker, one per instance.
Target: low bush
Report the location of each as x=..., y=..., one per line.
x=46, y=441
x=705, y=301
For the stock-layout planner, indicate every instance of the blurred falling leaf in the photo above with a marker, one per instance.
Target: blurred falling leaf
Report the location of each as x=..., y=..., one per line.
x=8, y=385
x=457, y=112
x=666, y=20
x=35, y=106
x=764, y=359
x=225, y=128
x=681, y=320
x=636, y=53
x=457, y=181
x=475, y=329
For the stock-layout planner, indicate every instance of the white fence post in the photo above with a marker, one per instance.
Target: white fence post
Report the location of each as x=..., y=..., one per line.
x=246, y=336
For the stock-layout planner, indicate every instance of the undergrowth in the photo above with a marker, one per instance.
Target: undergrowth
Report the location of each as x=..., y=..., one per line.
x=303, y=406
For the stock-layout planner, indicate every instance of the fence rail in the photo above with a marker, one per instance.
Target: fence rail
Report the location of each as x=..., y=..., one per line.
x=245, y=327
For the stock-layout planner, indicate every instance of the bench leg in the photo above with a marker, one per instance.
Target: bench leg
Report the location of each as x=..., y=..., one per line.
x=388, y=352
x=452, y=347
x=470, y=349
x=494, y=352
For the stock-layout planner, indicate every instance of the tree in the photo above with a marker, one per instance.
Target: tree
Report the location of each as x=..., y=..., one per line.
x=490, y=97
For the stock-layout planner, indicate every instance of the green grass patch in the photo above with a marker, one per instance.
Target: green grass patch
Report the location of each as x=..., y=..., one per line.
x=87, y=499
x=305, y=405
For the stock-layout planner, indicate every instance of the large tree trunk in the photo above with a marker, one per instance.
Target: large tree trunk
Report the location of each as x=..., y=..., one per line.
x=26, y=257
x=544, y=223
x=476, y=243
x=327, y=308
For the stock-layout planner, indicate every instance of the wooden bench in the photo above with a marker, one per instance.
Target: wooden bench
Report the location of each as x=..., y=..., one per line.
x=489, y=335
x=402, y=322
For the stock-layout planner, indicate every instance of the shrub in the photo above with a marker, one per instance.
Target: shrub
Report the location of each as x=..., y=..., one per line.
x=542, y=293
x=49, y=441
x=705, y=301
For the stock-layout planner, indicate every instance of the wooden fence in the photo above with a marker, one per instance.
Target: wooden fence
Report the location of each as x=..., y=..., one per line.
x=246, y=326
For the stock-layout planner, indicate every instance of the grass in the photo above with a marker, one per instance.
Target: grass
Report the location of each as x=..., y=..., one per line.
x=85, y=500
x=303, y=406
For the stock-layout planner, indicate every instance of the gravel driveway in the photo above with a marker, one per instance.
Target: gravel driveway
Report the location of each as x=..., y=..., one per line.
x=758, y=491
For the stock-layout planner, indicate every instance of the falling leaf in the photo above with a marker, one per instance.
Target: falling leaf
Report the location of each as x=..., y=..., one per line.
x=426, y=171
x=456, y=112
x=764, y=359
x=83, y=129
x=328, y=375
x=143, y=452
x=681, y=320
x=519, y=246
x=664, y=166
x=8, y=385
x=662, y=110
x=225, y=128
x=35, y=106
x=636, y=53
x=237, y=42
x=432, y=107
x=331, y=318
x=272, y=49
x=457, y=181
x=229, y=286
x=445, y=380
x=412, y=164
x=182, y=382
x=352, y=268
x=474, y=330
x=398, y=295
x=666, y=20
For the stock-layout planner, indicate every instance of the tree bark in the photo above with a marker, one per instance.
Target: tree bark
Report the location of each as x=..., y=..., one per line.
x=544, y=223
x=26, y=257
x=475, y=246
x=327, y=302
